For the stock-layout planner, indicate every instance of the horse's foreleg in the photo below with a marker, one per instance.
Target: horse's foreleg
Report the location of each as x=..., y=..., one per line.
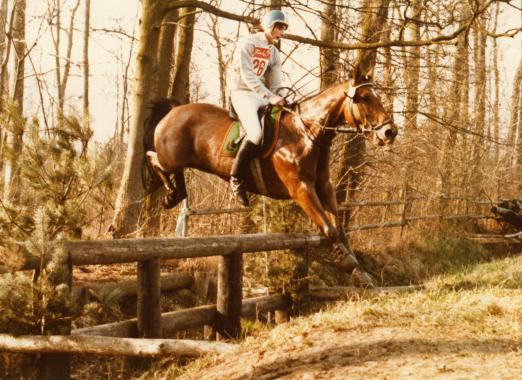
x=305, y=195
x=326, y=194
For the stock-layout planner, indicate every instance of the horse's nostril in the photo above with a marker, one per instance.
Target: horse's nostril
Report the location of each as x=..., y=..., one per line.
x=390, y=133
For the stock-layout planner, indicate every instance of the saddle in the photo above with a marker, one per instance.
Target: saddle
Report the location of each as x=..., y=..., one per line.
x=270, y=117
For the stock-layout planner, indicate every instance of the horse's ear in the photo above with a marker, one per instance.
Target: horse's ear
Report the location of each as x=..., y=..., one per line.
x=363, y=73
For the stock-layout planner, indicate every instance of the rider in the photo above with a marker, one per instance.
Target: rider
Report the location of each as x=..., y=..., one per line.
x=256, y=80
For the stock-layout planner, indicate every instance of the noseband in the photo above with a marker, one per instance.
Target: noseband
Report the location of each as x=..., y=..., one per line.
x=350, y=94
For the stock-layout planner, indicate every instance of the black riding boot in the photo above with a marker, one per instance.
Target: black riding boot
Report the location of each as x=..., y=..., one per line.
x=245, y=153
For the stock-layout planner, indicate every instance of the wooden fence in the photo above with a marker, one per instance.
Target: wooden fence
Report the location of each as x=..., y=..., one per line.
x=117, y=338
x=150, y=323
x=406, y=218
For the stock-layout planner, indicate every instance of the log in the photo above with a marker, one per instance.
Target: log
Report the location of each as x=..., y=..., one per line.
x=129, y=288
x=101, y=345
x=174, y=321
x=115, y=251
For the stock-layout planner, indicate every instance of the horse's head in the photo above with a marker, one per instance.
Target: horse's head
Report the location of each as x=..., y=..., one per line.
x=363, y=108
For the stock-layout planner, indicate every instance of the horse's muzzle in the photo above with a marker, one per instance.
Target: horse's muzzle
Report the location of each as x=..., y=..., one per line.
x=387, y=133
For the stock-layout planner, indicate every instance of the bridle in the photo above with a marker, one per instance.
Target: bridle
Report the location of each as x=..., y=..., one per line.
x=345, y=128
x=350, y=94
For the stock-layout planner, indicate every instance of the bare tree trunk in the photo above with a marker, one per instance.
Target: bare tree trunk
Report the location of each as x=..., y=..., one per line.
x=56, y=40
x=453, y=118
x=152, y=206
x=67, y=68
x=329, y=59
x=131, y=193
x=478, y=141
x=496, y=105
x=165, y=53
x=411, y=78
x=14, y=139
x=4, y=56
x=3, y=45
x=86, y=32
x=180, y=90
x=222, y=65
x=514, y=139
x=19, y=48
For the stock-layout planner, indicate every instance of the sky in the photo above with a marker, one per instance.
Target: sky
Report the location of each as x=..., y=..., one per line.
x=109, y=49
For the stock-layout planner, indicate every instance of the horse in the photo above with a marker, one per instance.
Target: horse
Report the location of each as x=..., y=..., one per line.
x=191, y=135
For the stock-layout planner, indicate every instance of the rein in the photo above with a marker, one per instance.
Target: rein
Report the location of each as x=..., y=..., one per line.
x=342, y=128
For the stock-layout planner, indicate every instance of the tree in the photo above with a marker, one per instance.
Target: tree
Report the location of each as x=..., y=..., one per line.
x=180, y=90
x=15, y=135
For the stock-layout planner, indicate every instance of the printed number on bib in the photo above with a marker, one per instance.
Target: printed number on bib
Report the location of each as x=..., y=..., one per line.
x=259, y=67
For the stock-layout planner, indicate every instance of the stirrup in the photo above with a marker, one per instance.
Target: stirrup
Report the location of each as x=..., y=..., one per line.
x=236, y=185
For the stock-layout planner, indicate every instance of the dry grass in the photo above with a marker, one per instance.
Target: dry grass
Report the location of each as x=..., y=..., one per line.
x=473, y=312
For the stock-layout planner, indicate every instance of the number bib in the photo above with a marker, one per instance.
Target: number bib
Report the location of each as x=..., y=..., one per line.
x=260, y=60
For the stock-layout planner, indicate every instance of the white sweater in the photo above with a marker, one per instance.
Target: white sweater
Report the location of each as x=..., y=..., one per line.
x=256, y=66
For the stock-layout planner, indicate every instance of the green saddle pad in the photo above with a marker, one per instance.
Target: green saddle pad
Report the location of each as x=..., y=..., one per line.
x=232, y=139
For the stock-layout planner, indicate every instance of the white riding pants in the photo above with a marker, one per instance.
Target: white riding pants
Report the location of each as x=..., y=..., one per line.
x=246, y=104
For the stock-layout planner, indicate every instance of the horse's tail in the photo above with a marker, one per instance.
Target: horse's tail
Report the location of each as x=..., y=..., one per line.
x=158, y=110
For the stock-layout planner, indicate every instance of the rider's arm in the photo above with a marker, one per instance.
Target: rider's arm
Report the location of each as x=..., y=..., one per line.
x=249, y=77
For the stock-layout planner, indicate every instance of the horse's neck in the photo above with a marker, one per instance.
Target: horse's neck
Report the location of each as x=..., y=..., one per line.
x=323, y=109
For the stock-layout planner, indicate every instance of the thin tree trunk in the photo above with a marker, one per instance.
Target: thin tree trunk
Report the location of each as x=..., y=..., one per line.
x=67, y=68
x=180, y=90
x=86, y=33
x=14, y=139
x=480, y=103
x=56, y=40
x=453, y=118
x=411, y=78
x=3, y=45
x=514, y=139
x=222, y=66
x=165, y=53
x=329, y=58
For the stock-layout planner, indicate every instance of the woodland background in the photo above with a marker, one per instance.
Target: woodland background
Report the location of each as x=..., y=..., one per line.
x=440, y=67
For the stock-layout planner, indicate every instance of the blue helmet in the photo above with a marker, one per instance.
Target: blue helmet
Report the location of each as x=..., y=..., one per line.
x=272, y=17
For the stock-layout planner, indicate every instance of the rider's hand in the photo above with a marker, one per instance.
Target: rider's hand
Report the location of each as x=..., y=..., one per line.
x=277, y=100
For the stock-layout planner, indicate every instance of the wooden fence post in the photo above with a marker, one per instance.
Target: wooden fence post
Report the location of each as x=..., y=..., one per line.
x=149, y=292
x=229, y=296
x=58, y=366
x=300, y=283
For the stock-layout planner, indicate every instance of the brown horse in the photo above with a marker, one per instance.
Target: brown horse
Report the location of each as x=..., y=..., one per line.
x=191, y=136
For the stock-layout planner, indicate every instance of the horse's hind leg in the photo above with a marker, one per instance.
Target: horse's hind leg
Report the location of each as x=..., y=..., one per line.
x=179, y=192
x=173, y=196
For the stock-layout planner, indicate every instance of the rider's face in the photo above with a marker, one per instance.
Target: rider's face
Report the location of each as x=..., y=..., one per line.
x=277, y=32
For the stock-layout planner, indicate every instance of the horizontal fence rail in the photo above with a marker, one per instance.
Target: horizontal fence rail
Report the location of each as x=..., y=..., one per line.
x=117, y=251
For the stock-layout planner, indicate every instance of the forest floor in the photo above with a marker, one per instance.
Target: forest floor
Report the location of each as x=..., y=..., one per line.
x=465, y=325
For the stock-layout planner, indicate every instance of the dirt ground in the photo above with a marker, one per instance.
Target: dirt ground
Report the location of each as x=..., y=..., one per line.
x=379, y=353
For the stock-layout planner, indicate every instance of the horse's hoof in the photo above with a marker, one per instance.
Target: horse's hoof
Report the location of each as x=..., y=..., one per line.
x=362, y=278
x=347, y=263
x=345, y=259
